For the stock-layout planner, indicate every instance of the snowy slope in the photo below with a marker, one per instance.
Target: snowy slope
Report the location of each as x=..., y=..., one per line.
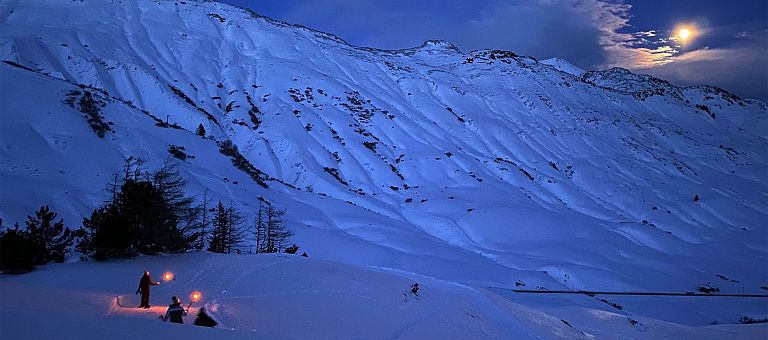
x=276, y=295
x=291, y=297
x=482, y=168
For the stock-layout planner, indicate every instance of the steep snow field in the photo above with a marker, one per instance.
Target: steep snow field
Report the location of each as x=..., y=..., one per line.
x=482, y=169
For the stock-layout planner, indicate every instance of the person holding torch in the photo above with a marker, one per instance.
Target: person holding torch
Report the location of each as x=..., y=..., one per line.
x=144, y=285
x=175, y=312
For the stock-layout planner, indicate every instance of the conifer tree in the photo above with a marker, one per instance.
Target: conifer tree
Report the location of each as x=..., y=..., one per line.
x=105, y=234
x=234, y=235
x=43, y=241
x=171, y=184
x=17, y=255
x=50, y=240
x=278, y=233
x=261, y=228
x=227, y=233
x=220, y=221
x=148, y=213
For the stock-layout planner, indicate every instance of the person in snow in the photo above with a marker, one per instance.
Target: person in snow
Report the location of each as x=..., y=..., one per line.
x=292, y=249
x=203, y=319
x=144, y=285
x=175, y=312
x=415, y=288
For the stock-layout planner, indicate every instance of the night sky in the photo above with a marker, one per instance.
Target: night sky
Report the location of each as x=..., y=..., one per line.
x=728, y=45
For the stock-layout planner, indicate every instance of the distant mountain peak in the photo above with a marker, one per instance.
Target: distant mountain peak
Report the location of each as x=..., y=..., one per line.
x=563, y=65
x=641, y=86
x=438, y=44
x=435, y=46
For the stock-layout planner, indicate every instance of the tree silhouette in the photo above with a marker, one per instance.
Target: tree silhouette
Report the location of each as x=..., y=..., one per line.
x=50, y=240
x=149, y=213
x=227, y=233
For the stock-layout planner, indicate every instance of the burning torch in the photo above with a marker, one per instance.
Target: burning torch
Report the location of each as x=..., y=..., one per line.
x=168, y=276
x=194, y=297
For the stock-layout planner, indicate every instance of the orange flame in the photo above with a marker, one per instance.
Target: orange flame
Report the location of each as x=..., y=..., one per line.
x=168, y=276
x=196, y=296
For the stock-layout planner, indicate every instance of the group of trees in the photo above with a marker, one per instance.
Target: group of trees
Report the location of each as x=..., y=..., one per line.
x=148, y=213
x=44, y=240
x=229, y=231
x=271, y=233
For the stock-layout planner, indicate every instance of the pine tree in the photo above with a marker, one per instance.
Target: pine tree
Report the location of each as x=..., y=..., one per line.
x=50, y=240
x=132, y=170
x=261, y=230
x=277, y=232
x=200, y=130
x=148, y=213
x=234, y=230
x=105, y=234
x=114, y=187
x=171, y=185
x=17, y=253
x=227, y=234
x=145, y=210
x=270, y=232
x=220, y=222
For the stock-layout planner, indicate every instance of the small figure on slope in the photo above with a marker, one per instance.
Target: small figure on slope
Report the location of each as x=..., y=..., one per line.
x=144, y=285
x=203, y=319
x=175, y=312
x=414, y=291
x=292, y=249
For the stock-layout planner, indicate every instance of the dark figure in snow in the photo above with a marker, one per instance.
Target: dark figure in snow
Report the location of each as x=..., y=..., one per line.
x=292, y=249
x=175, y=311
x=144, y=285
x=415, y=289
x=203, y=319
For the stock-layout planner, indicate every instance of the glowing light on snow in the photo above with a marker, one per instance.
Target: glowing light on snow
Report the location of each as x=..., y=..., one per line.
x=168, y=276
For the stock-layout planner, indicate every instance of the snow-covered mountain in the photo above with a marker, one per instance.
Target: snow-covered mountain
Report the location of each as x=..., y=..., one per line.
x=563, y=65
x=484, y=168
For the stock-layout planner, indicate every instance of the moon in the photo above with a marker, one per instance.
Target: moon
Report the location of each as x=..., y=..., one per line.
x=684, y=34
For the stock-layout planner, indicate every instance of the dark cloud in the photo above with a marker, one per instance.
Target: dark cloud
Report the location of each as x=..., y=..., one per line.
x=541, y=29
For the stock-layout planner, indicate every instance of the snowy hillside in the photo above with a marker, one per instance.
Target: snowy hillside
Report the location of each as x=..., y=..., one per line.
x=484, y=169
